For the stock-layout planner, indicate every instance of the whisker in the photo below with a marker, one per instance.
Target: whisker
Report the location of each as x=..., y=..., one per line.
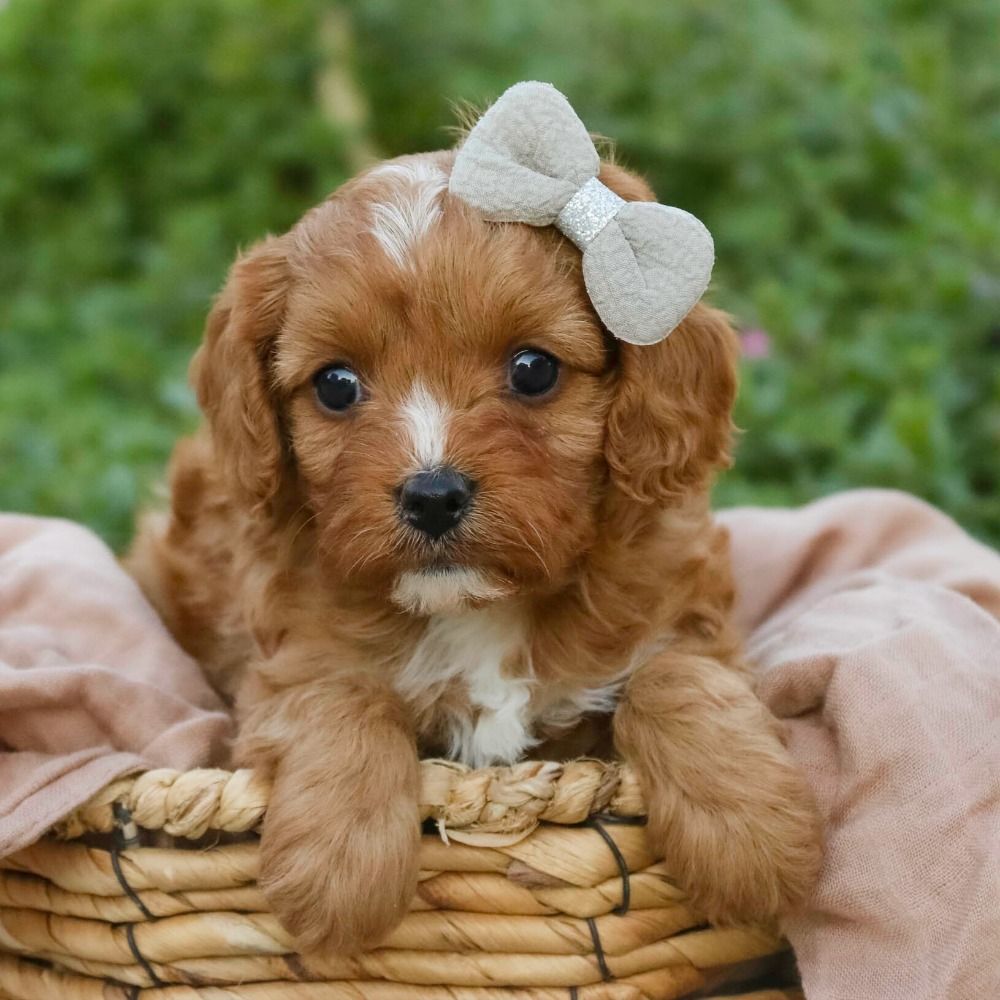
x=543, y=565
x=298, y=531
x=538, y=534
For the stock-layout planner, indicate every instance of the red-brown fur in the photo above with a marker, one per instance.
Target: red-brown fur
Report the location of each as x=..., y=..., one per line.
x=276, y=562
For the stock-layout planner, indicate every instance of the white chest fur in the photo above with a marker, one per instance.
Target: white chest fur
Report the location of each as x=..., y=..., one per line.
x=486, y=651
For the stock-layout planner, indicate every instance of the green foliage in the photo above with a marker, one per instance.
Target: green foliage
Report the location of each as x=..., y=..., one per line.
x=844, y=156
x=143, y=143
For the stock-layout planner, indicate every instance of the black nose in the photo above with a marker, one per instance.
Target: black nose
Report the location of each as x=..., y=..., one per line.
x=435, y=501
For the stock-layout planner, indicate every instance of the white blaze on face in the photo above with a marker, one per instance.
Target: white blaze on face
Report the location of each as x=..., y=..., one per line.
x=426, y=420
x=410, y=209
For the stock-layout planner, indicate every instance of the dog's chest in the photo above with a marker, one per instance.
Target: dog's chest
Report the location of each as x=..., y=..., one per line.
x=471, y=683
x=469, y=677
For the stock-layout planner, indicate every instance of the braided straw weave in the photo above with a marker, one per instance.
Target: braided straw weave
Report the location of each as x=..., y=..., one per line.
x=521, y=895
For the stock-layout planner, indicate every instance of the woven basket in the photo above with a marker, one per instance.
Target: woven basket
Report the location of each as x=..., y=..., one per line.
x=537, y=884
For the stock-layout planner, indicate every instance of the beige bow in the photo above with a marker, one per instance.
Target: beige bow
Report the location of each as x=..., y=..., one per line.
x=530, y=159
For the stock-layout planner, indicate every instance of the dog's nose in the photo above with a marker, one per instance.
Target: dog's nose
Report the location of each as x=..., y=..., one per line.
x=435, y=501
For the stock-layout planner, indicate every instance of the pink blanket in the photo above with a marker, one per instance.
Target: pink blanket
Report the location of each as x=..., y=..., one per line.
x=876, y=625
x=874, y=620
x=91, y=684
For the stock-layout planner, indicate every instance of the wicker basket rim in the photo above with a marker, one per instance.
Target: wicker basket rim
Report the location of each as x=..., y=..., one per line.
x=491, y=806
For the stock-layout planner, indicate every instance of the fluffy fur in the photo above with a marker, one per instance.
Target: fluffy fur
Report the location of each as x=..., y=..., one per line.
x=589, y=569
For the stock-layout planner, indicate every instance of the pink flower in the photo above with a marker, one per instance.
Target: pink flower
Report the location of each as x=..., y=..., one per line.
x=755, y=343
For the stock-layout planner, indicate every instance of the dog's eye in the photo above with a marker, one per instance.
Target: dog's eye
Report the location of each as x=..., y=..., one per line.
x=533, y=372
x=337, y=387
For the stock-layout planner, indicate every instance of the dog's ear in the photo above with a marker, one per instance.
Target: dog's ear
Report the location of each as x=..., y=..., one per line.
x=231, y=373
x=670, y=423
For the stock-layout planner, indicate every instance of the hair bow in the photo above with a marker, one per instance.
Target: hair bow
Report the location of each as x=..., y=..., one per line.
x=530, y=159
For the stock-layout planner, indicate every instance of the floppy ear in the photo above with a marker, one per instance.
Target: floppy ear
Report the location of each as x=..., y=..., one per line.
x=231, y=373
x=670, y=423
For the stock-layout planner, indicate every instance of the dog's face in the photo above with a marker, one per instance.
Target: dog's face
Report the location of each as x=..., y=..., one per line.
x=437, y=394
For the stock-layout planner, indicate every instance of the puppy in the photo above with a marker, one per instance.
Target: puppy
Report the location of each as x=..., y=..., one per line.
x=435, y=509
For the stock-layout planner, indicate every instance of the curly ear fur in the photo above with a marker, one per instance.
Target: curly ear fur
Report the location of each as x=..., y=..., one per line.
x=670, y=425
x=230, y=372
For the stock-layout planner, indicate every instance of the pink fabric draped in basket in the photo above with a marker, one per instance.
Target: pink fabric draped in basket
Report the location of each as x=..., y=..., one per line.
x=874, y=622
x=91, y=684
x=873, y=619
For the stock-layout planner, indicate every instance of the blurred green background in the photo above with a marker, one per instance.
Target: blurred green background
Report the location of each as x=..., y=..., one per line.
x=845, y=155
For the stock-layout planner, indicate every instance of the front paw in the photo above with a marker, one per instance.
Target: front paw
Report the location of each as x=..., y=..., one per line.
x=749, y=855
x=339, y=877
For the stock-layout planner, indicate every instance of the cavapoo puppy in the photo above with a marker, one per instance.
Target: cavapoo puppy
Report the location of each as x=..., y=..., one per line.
x=437, y=509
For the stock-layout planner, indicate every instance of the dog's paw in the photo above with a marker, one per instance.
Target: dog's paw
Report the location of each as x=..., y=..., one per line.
x=338, y=882
x=748, y=858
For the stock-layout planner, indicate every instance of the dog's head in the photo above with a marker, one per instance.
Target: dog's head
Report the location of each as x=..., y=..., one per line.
x=437, y=396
